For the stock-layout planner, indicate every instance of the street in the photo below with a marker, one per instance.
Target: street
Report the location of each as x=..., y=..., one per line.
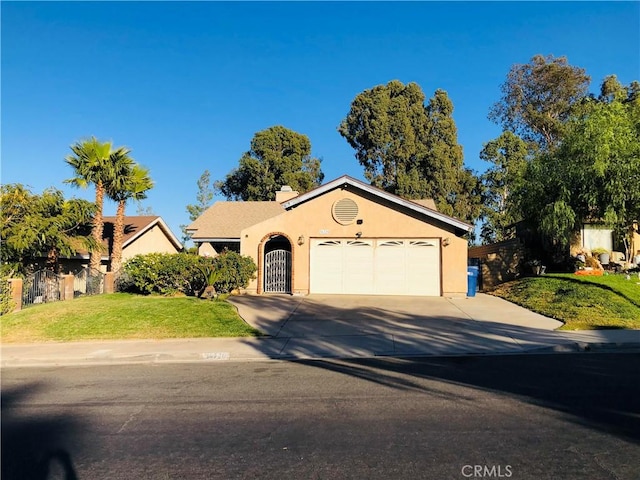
x=572, y=416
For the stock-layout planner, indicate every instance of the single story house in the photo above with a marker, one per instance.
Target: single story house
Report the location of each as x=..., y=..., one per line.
x=142, y=234
x=344, y=237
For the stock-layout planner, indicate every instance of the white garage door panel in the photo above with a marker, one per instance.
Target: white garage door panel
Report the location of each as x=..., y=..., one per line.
x=357, y=270
x=390, y=268
x=383, y=266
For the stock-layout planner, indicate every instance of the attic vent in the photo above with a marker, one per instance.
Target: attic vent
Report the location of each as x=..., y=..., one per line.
x=345, y=211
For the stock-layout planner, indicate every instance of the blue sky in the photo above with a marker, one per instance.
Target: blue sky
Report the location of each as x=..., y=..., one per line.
x=186, y=85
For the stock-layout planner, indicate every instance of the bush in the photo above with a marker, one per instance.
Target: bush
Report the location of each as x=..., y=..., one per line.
x=168, y=274
x=6, y=302
x=235, y=271
x=163, y=273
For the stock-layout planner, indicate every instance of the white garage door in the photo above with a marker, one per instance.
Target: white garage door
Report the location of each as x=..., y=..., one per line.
x=382, y=266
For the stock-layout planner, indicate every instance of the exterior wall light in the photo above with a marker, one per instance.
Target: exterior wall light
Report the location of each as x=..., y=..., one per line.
x=301, y=240
x=446, y=241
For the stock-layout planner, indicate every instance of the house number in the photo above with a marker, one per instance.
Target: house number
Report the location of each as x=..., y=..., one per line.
x=324, y=231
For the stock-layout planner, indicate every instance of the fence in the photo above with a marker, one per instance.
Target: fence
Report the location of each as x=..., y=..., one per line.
x=499, y=262
x=45, y=286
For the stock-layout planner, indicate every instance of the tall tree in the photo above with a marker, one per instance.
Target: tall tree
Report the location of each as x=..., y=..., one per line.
x=508, y=154
x=203, y=197
x=92, y=165
x=278, y=156
x=537, y=98
x=206, y=190
x=130, y=182
x=386, y=126
x=46, y=224
x=593, y=175
x=410, y=149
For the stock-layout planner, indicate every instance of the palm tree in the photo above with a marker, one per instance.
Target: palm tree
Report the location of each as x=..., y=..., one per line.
x=130, y=182
x=92, y=164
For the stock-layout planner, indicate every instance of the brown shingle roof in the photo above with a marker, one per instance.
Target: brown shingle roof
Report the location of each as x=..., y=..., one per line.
x=228, y=219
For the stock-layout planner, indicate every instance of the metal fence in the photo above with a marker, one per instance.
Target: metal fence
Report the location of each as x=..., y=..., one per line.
x=88, y=282
x=41, y=287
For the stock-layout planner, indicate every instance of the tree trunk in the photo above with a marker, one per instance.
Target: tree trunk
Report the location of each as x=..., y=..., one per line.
x=118, y=238
x=97, y=229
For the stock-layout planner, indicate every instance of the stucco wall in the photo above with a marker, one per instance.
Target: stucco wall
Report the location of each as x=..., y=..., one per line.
x=313, y=219
x=152, y=241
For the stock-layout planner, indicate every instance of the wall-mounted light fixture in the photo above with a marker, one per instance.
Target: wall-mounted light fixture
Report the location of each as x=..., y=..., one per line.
x=358, y=234
x=446, y=241
x=301, y=240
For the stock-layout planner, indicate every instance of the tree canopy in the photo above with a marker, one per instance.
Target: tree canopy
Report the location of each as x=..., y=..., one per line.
x=411, y=149
x=537, y=98
x=594, y=175
x=92, y=164
x=37, y=225
x=508, y=155
x=278, y=156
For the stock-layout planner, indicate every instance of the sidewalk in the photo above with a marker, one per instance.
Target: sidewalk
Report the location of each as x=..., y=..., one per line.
x=339, y=327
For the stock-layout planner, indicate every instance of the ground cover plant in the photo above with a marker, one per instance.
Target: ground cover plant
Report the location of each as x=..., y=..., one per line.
x=124, y=316
x=582, y=303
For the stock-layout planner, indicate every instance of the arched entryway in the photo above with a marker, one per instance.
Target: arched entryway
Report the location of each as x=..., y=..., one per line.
x=277, y=265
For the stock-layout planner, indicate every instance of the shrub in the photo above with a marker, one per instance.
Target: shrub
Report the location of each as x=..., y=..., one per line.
x=168, y=274
x=6, y=302
x=235, y=271
x=163, y=273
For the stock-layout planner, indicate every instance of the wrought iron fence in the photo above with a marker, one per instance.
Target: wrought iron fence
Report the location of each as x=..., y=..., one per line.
x=88, y=282
x=41, y=287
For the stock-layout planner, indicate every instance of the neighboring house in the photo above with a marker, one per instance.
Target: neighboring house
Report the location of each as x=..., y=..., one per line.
x=344, y=237
x=142, y=234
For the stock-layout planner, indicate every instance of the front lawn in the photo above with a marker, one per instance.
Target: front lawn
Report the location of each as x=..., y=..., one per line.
x=124, y=316
x=581, y=302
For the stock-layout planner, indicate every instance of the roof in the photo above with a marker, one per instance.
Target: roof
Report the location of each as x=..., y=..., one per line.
x=135, y=227
x=225, y=220
x=349, y=182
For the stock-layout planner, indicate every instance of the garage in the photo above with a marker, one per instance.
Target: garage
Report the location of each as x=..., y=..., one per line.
x=389, y=266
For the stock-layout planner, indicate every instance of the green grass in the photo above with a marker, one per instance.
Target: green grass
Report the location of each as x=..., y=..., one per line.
x=581, y=302
x=124, y=316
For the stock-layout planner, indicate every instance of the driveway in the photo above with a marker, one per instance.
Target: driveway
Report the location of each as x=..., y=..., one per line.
x=346, y=325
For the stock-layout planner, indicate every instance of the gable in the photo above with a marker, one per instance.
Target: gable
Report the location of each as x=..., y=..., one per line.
x=393, y=202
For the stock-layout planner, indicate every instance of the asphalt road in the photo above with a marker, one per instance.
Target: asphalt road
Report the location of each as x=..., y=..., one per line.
x=522, y=417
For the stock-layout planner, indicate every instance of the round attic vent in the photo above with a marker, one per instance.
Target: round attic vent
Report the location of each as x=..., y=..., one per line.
x=345, y=211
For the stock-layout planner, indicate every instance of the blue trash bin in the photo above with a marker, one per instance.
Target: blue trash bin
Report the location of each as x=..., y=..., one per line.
x=472, y=280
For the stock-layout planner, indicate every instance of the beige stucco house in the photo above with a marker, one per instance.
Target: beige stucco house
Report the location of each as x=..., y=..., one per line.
x=344, y=237
x=142, y=234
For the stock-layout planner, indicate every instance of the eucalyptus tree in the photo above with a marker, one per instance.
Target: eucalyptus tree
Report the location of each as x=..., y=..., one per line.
x=93, y=165
x=538, y=97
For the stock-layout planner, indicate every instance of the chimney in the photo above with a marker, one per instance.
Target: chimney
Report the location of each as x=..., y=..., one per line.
x=285, y=193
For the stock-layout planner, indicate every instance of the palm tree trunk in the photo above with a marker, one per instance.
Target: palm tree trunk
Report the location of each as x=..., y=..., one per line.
x=98, y=227
x=118, y=238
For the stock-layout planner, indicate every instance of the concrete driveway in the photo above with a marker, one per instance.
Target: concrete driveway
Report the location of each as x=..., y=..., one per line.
x=357, y=325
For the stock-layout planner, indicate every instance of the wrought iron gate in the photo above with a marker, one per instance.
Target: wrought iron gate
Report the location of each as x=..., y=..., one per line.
x=88, y=282
x=41, y=287
x=277, y=271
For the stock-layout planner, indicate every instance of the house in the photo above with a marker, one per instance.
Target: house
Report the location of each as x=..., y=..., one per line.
x=142, y=234
x=344, y=237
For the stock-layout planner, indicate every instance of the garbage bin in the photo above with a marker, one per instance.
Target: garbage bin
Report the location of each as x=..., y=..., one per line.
x=472, y=280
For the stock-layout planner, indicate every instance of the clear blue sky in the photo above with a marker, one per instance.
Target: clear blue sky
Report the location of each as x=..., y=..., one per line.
x=186, y=85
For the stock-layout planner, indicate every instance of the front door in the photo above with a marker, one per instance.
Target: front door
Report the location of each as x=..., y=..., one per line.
x=277, y=271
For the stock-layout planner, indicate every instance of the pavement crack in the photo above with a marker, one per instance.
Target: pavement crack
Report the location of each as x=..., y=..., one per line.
x=131, y=418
